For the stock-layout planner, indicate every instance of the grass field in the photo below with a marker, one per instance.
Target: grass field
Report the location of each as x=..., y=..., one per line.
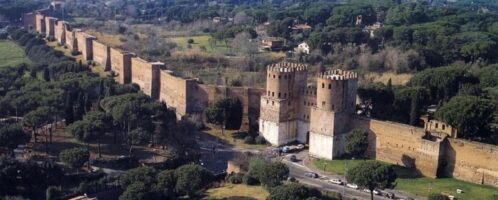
x=233, y=191
x=202, y=41
x=420, y=186
x=11, y=54
x=226, y=137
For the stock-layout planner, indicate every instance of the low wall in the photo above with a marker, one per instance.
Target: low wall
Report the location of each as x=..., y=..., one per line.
x=401, y=144
x=174, y=91
x=102, y=55
x=471, y=161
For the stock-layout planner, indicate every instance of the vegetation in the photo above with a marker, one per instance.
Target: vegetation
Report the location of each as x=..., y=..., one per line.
x=11, y=54
x=237, y=191
x=372, y=175
x=226, y=113
x=356, y=143
x=408, y=181
x=293, y=192
x=74, y=158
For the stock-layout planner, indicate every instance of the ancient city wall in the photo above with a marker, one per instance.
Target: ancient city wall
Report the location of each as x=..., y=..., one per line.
x=60, y=32
x=71, y=42
x=401, y=144
x=85, y=44
x=174, y=92
x=50, y=26
x=29, y=20
x=102, y=55
x=40, y=23
x=121, y=65
x=471, y=161
x=146, y=75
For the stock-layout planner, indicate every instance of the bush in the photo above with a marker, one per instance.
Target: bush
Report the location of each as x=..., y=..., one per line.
x=260, y=140
x=249, y=180
x=437, y=197
x=236, y=178
x=249, y=140
x=190, y=41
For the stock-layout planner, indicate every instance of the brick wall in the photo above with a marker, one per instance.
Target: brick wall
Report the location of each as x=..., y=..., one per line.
x=146, y=75
x=102, y=55
x=40, y=23
x=60, y=32
x=85, y=44
x=121, y=65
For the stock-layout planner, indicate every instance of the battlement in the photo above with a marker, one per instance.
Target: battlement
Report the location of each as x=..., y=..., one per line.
x=287, y=67
x=338, y=74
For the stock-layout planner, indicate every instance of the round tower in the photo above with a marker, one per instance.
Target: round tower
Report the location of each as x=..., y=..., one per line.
x=285, y=80
x=336, y=90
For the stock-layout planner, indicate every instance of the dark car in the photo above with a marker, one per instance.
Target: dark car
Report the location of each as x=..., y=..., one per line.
x=311, y=174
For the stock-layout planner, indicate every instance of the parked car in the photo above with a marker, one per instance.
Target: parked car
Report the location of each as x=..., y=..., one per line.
x=300, y=146
x=352, y=185
x=375, y=191
x=389, y=195
x=285, y=149
x=311, y=174
x=336, y=181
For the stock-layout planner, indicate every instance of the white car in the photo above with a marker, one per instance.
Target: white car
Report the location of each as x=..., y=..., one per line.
x=352, y=185
x=336, y=181
x=375, y=191
x=300, y=146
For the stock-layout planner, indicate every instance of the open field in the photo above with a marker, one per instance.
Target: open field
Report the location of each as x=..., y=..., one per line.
x=11, y=54
x=239, y=191
x=201, y=42
x=420, y=186
x=106, y=38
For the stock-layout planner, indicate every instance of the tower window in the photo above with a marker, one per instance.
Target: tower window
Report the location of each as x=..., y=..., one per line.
x=330, y=86
x=285, y=95
x=279, y=76
x=268, y=93
x=323, y=85
x=443, y=126
x=273, y=76
x=272, y=94
x=272, y=103
x=267, y=102
x=279, y=95
x=323, y=103
x=436, y=125
x=333, y=107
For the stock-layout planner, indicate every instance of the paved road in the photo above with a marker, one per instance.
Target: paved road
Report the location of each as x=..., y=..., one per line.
x=217, y=162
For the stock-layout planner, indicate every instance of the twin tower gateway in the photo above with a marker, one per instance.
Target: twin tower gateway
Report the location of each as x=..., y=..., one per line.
x=292, y=110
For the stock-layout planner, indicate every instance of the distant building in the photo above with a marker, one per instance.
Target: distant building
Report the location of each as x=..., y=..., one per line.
x=272, y=44
x=220, y=20
x=303, y=48
x=371, y=29
x=301, y=27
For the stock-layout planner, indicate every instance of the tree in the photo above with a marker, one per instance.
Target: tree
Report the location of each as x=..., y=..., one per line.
x=91, y=128
x=470, y=115
x=372, y=175
x=273, y=174
x=191, y=179
x=166, y=181
x=12, y=135
x=226, y=112
x=136, y=191
x=293, y=191
x=356, y=143
x=75, y=157
x=143, y=175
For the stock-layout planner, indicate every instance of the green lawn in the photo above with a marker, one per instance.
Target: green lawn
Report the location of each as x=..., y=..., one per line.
x=11, y=54
x=239, y=191
x=409, y=182
x=201, y=41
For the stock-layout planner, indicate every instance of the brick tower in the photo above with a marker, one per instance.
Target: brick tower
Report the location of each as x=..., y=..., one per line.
x=335, y=104
x=281, y=103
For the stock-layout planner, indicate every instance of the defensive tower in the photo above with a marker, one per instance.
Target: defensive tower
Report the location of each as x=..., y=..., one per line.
x=335, y=105
x=285, y=85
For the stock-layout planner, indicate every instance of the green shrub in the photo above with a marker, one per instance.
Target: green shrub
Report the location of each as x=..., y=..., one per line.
x=249, y=180
x=236, y=178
